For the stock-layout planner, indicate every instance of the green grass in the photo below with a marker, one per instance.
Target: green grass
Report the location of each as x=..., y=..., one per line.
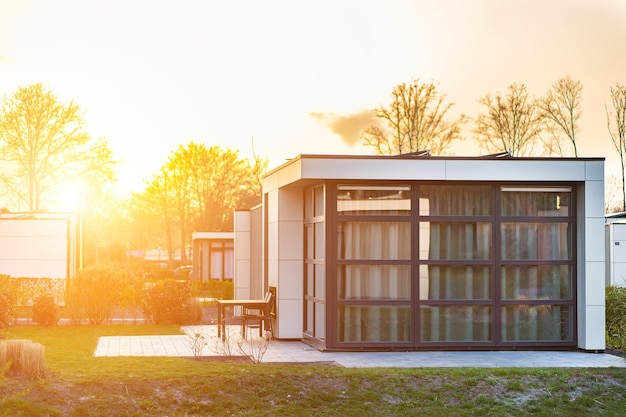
x=82, y=385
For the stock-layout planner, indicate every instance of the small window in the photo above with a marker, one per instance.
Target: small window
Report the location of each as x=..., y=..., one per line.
x=373, y=200
x=536, y=201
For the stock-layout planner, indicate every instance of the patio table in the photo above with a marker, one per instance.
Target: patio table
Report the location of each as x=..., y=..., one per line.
x=259, y=304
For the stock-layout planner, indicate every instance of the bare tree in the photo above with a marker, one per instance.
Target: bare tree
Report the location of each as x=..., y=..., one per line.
x=45, y=144
x=414, y=120
x=561, y=110
x=616, y=123
x=511, y=123
x=613, y=202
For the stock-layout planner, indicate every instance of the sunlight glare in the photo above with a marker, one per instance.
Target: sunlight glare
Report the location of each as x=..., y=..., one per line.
x=71, y=196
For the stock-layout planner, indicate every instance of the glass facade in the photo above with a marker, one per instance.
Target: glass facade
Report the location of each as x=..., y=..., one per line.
x=456, y=265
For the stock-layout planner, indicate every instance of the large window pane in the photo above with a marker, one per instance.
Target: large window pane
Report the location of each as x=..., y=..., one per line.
x=463, y=323
x=530, y=323
x=455, y=200
x=374, y=200
x=536, y=282
x=536, y=201
x=455, y=241
x=318, y=196
x=373, y=324
x=319, y=240
x=374, y=240
x=536, y=241
x=364, y=282
x=457, y=282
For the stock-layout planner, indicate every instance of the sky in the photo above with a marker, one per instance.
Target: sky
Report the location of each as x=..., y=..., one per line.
x=283, y=78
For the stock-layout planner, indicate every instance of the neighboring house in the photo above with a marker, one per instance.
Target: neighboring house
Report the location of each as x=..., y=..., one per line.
x=406, y=252
x=615, y=242
x=39, y=245
x=213, y=256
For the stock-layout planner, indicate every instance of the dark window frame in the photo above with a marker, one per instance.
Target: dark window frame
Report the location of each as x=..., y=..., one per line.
x=496, y=302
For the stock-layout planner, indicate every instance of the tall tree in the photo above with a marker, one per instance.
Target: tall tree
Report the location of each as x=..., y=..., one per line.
x=45, y=144
x=561, y=110
x=510, y=123
x=616, y=123
x=198, y=189
x=413, y=121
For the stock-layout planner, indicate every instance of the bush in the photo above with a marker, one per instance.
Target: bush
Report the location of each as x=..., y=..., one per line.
x=215, y=289
x=170, y=302
x=616, y=317
x=7, y=301
x=45, y=311
x=95, y=292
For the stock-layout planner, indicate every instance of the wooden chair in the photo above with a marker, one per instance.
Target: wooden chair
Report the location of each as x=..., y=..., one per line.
x=256, y=318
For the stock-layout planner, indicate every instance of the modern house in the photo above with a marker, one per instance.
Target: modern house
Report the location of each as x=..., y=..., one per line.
x=417, y=252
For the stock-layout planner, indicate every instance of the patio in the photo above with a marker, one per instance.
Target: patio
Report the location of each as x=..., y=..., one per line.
x=298, y=352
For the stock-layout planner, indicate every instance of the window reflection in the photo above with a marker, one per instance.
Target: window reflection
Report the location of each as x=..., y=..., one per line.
x=373, y=200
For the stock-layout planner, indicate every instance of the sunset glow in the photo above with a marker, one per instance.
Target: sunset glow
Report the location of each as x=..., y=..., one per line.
x=299, y=77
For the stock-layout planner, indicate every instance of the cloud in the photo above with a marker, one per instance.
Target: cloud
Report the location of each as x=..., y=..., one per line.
x=348, y=127
x=5, y=59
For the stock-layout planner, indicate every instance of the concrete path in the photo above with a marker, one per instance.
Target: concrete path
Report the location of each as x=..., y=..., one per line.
x=298, y=352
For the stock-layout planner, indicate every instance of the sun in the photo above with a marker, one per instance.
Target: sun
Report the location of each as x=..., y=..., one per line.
x=71, y=196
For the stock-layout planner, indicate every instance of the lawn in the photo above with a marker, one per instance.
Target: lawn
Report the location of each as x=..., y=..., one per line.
x=79, y=384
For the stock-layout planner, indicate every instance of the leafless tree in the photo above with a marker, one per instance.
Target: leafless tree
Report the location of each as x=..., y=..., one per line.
x=511, y=123
x=616, y=123
x=613, y=202
x=561, y=110
x=414, y=120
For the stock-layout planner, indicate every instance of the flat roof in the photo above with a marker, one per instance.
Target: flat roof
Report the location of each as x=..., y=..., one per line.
x=422, y=167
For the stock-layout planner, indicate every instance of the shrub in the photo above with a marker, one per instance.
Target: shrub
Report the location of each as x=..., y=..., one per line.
x=95, y=292
x=7, y=301
x=45, y=311
x=616, y=317
x=170, y=302
x=131, y=296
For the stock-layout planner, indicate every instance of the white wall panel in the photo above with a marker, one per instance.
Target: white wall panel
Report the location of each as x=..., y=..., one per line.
x=34, y=248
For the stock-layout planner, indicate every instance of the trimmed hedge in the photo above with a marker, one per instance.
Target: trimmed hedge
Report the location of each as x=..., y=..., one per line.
x=214, y=289
x=7, y=301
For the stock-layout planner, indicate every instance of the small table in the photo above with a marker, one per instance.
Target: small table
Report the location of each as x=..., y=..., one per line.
x=260, y=304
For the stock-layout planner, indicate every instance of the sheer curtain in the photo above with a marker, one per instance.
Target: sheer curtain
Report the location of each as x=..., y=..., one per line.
x=374, y=241
x=537, y=295
x=449, y=290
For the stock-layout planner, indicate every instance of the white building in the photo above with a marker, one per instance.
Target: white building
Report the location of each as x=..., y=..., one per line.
x=40, y=245
x=406, y=252
x=615, y=250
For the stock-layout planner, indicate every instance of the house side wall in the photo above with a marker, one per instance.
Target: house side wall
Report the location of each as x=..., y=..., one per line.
x=242, y=256
x=591, y=260
x=615, y=247
x=285, y=259
x=37, y=248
